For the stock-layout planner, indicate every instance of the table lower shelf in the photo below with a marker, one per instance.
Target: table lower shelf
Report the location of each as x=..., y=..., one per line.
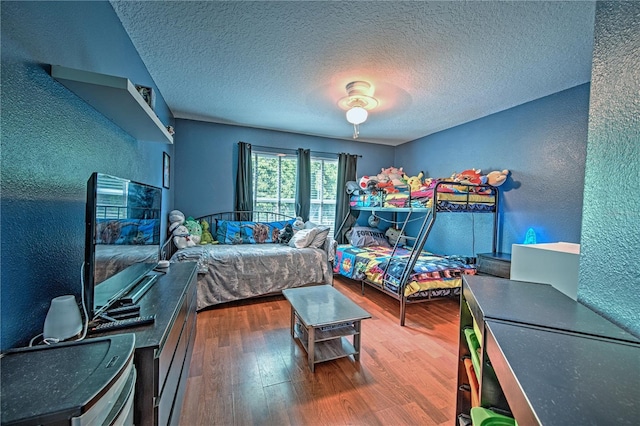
x=326, y=349
x=329, y=344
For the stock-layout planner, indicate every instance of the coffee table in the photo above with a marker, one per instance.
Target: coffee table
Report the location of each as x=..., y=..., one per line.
x=322, y=319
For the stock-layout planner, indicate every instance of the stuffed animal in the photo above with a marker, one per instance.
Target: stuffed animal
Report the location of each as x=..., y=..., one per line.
x=285, y=235
x=393, y=175
x=415, y=182
x=388, y=187
x=495, y=178
x=394, y=235
x=176, y=216
x=195, y=230
x=352, y=187
x=206, y=237
x=297, y=225
x=181, y=237
x=367, y=183
x=471, y=176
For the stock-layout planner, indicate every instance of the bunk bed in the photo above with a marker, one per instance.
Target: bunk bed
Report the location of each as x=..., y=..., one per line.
x=402, y=269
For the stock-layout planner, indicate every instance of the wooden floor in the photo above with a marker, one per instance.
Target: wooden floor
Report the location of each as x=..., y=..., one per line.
x=247, y=370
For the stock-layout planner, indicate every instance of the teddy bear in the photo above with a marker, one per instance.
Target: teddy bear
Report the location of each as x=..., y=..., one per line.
x=495, y=178
x=206, y=237
x=195, y=230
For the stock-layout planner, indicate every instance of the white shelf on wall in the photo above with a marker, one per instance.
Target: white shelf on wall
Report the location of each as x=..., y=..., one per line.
x=117, y=99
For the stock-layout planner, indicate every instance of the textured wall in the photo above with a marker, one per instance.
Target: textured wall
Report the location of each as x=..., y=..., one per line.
x=609, y=276
x=51, y=143
x=206, y=156
x=542, y=142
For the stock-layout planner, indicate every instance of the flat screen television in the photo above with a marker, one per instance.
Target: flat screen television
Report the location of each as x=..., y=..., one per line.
x=122, y=243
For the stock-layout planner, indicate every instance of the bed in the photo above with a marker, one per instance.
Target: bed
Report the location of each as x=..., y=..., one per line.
x=238, y=268
x=403, y=269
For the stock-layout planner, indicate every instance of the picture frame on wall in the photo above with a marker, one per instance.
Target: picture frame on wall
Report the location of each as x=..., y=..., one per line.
x=166, y=170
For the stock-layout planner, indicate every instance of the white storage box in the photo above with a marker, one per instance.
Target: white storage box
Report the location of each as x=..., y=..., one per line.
x=549, y=263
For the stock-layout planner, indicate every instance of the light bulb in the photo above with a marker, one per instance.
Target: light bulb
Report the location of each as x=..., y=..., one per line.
x=357, y=115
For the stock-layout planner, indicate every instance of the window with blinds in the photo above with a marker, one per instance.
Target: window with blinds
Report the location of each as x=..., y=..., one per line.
x=274, y=182
x=274, y=185
x=324, y=185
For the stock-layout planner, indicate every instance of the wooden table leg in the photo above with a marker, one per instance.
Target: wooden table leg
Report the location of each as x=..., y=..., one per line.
x=311, y=331
x=356, y=340
x=293, y=321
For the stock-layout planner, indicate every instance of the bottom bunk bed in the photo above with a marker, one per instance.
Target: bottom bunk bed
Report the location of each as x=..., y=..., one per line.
x=433, y=276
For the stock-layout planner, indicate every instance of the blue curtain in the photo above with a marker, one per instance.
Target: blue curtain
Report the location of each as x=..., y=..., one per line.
x=303, y=184
x=347, y=164
x=244, y=181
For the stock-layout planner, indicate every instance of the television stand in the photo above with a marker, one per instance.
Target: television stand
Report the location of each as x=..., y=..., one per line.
x=164, y=347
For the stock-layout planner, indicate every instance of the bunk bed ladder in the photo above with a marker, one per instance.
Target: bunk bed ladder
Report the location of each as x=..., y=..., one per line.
x=425, y=229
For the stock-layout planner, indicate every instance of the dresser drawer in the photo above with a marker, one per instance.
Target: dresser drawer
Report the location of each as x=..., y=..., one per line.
x=170, y=346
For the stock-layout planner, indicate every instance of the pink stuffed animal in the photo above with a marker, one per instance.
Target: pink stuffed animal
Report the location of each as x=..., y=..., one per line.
x=393, y=175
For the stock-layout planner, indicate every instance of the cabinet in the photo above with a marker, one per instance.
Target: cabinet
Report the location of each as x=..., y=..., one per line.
x=533, y=343
x=163, y=350
x=117, y=99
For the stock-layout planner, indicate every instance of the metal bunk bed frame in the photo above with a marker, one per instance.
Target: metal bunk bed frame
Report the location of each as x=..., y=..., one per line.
x=423, y=233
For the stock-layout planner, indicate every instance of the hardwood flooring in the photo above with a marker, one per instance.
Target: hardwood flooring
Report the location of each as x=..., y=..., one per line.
x=247, y=370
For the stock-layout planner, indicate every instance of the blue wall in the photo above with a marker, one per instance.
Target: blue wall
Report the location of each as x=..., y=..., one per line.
x=609, y=279
x=206, y=156
x=542, y=143
x=51, y=143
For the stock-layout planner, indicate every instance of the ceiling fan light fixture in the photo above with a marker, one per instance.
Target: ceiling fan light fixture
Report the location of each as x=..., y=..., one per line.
x=357, y=115
x=358, y=101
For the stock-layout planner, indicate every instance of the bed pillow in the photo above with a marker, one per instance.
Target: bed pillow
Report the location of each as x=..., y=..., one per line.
x=303, y=238
x=362, y=236
x=321, y=236
x=247, y=232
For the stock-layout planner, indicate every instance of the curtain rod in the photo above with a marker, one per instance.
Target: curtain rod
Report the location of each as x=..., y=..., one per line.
x=274, y=149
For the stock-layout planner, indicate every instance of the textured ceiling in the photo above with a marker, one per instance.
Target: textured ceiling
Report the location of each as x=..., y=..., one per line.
x=285, y=65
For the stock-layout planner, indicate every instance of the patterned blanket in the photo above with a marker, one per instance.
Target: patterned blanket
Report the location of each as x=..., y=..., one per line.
x=430, y=271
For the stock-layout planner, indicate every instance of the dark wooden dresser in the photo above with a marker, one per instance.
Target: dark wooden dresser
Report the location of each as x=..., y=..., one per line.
x=163, y=349
x=496, y=264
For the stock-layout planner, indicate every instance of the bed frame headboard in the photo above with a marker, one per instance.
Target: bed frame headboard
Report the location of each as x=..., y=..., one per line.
x=168, y=248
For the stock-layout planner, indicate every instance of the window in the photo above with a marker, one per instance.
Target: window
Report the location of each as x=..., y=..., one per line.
x=324, y=185
x=274, y=182
x=274, y=185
